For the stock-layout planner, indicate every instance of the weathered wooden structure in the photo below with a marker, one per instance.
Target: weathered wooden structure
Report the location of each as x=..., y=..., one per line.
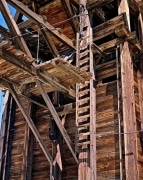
x=73, y=75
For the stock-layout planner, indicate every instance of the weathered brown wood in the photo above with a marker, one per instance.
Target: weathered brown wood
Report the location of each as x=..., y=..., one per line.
x=16, y=16
x=140, y=95
x=14, y=28
x=4, y=32
x=42, y=75
x=3, y=125
x=87, y=131
x=26, y=24
x=131, y=38
x=25, y=148
x=38, y=20
x=49, y=41
x=140, y=20
x=6, y=133
x=30, y=144
x=128, y=104
x=31, y=124
x=70, y=13
x=94, y=3
x=56, y=118
x=108, y=27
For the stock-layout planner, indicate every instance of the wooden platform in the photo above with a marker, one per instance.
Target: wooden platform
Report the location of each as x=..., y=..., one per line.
x=57, y=74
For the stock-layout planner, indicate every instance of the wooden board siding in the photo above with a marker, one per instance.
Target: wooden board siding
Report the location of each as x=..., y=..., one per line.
x=56, y=10
x=41, y=168
x=108, y=166
x=138, y=109
x=17, y=146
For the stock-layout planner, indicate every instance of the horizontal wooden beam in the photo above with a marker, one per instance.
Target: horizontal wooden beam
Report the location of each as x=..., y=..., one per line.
x=111, y=44
x=49, y=41
x=31, y=124
x=108, y=27
x=26, y=24
x=62, y=110
x=39, y=21
x=56, y=118
x=131, y=38
x=96, y=3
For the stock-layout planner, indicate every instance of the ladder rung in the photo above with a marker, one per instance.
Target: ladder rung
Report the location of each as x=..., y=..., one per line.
x=85, y=68
x=84, y=134
x=84, y=45
x=83, y=125
x=84, y=99
x=83, y=108
x=83, y=60
x=85, y=37
x=85, y=84
x=83, y=143
x=84, y=91
x=83, y=117
x=84, y=53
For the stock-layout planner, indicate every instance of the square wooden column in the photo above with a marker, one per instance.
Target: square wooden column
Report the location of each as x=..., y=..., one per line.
x=128, y=103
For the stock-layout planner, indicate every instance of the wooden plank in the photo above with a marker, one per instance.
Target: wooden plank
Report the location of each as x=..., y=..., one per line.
x=56, y=118
x=108, y=27
x=96, y=3
x=25, y=146
x=26, y=24
x=30, y=146
x=128, y=104
x=49, y=41
x=38, y=20
x=113, y=43
x=69, y=11
x=6, y=133
x=31, y=124
x=140, y=89
x=70, y=71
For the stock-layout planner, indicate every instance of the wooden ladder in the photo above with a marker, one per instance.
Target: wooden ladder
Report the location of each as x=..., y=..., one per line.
x=83, y=90
x=85, y=109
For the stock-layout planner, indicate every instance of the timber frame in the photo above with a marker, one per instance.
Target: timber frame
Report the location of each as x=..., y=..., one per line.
x=72, y=69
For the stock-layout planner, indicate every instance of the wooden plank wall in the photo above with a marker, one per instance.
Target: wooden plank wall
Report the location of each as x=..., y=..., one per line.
x=17, y=168
x=41, y=168
x=40, y=165
x=138, y=93
x=108, y=160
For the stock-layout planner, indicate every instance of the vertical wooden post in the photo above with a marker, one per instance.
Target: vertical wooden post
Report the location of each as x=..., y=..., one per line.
x=140, y=88
x=30, y=144
x=25, y=148
x=2, y=131
x=128, y=104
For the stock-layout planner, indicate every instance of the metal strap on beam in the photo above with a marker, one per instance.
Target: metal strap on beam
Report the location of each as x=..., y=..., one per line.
x=31, y=124
x=56, y=118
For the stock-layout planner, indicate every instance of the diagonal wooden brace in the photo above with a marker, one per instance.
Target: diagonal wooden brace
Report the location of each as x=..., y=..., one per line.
x=56, y=118
x=31, y=124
